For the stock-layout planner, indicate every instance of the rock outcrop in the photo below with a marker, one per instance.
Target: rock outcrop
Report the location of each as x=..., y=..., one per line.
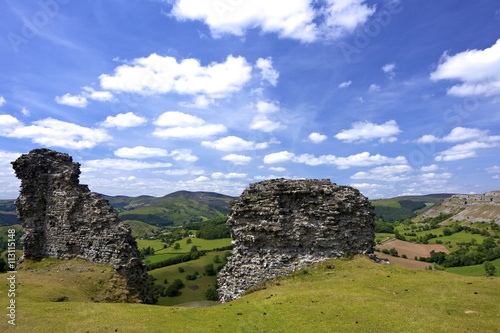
x=63, y=219
x=281, y=225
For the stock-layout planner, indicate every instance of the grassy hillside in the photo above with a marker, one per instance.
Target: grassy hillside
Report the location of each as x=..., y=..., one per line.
x=401, y=208
x=339, y=296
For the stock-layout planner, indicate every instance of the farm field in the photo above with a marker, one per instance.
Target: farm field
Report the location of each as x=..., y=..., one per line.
x=475, y=270
x=411, y=249
x=408, y=263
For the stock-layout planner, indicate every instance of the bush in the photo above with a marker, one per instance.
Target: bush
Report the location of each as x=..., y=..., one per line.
x=210, y=270
x=489, y=268
x=181, y=270
x=211, y=295
x=190, y=277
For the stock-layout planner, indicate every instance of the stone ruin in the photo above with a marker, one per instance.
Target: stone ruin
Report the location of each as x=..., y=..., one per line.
x=279, y=226
x=63, y=219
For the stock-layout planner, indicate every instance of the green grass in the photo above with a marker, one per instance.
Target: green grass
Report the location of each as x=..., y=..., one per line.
x=187, y=294
x=163, y=254
x=141, y=229
x=347, y=296
x=475, y=270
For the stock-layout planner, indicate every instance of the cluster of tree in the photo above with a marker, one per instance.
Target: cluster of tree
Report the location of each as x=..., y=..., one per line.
x=406, y=210
x=215, y=228
x=184, y=257
x=146, y=251
x=383, y=227
x=173, y=289
x=466, y=256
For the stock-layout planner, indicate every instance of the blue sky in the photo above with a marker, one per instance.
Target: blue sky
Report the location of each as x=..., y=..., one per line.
x=151, y=97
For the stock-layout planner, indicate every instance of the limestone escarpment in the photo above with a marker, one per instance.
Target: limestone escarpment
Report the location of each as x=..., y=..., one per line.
x=63, y=219
x=281, y=225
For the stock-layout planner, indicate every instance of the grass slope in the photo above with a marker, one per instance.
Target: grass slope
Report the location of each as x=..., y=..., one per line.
x=475, y=270
x=339, y=296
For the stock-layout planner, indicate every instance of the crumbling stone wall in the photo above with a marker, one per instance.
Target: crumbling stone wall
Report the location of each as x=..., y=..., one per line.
x=281, y=225
x=63, y=219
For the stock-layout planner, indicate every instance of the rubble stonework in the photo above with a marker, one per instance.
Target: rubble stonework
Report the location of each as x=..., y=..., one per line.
x=63, y=219
x=281, y=225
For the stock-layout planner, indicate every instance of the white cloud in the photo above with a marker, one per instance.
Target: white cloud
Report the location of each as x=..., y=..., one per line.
x=156, y=75
x=389, y=69
x=178, y=119
x=267, y=71
x=53, y=133
x=432, y=167
x=237, y=159
x=231, y=175
x=2, y=101
x=280, y=157
x=373, y=88
x=277, y=169
x=199, y=102
x=182, y=125
x=304, y=20
x=386, y=173
x=121, y=164
x=361, y=159
x=124, y=120
x=345, y=84
x=140, y=152
x=102, y=96
x=190, y=132
x=25, y=112
x=493, y=169
x=457, y=134
x=478, y=70
x=72, y=100
x=234, y=143
x=183, y=155
x=316, y=137
x=366, y=131
x=464, y=150
x=201, y=179
x=263, y=123
x=267, y=107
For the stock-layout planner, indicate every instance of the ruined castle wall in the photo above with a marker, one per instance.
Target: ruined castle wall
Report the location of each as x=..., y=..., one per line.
x=281, y=225
x=63, y=219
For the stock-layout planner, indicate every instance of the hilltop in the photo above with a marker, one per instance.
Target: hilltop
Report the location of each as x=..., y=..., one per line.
x=468, y=207
x=340, y=295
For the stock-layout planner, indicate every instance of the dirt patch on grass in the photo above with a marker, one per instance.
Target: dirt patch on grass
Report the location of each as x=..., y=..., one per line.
x=413, y=250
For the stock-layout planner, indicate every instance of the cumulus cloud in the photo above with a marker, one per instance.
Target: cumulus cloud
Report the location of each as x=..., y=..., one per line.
x=124, y=120
x=373, y=88
x=2, y=101
x=345, y=84
x=140, y=152
x=478, y=70
x=303, y=20
x=478, y=139
x=465, y=150
x=183, y=155
x=234, y=143
x=456, y=135
x=366, y=131
x=102, y=96
x=359, y=160
x=267, y=107
x=72, y=100
x=185, y=126
x=262, y=122
x=277, y=169
x=231, y=175
x=156, y=75
x=267, y=71
x=386, y=173
x=237, y=159
x=121, y=164
x=53, y=133
x=316, y=137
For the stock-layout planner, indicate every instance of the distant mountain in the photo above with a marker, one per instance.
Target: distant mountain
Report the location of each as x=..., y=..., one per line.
x=406, y=207
x=172, y=209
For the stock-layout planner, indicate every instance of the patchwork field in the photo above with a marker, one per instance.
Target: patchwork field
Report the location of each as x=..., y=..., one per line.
x=413, y=250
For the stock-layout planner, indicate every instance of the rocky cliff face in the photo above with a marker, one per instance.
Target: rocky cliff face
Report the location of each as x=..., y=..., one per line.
x=281, y=225
x=63, y=219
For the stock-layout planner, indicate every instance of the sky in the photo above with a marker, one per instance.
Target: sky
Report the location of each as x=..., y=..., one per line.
x=151, y=97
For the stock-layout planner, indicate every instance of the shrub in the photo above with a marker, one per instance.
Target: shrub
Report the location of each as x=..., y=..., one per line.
x=211, y=295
